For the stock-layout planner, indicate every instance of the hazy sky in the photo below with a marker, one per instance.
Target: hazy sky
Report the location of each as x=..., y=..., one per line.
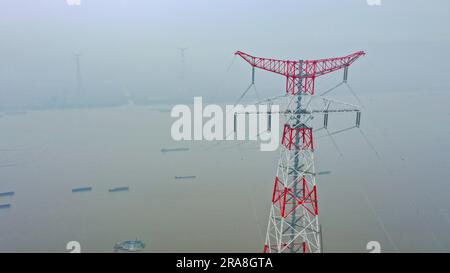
x=133, y=44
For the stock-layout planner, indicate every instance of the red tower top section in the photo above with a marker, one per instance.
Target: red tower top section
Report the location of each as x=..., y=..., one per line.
x=300, y=75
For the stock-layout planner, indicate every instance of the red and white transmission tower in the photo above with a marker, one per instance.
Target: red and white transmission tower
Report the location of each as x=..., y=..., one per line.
x=294, y=216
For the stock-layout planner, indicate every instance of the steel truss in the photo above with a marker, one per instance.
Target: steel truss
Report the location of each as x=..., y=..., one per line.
x=294, y=215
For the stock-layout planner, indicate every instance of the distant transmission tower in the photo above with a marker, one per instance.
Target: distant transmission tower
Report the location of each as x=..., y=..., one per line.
x=79, y=79
x=183, y=58
x=182, y=75
x=294, y=216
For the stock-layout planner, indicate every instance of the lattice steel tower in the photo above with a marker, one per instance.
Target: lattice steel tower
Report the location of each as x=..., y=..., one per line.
x=294, y=216
x=78, y=71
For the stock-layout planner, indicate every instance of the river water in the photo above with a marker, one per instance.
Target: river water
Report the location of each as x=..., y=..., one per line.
x=397, y=196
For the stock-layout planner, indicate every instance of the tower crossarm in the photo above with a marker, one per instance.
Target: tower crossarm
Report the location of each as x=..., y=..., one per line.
x=332, y=105
x=271, y=65
x=317, y=105
x=317, y=68
x=310, y=68
x=300, y=75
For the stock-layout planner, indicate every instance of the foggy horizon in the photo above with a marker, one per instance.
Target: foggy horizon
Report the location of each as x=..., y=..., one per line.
x=133, y=46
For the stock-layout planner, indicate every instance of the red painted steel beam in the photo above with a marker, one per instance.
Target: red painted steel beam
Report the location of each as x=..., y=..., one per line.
x=310, y=68
x=300, y=75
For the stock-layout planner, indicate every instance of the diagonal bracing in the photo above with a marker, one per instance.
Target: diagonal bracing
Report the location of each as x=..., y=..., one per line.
x=294, y=215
